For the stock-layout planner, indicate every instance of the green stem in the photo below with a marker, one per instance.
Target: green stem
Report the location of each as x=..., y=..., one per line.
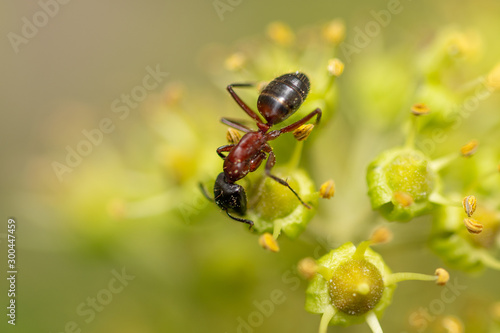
x=360, y=250
x=295, y=159
x=372, y=321
x=443, y=161
x=489, y=260
x=437, y=198
x=325, y=319
x=329, y=85
x=410, y=140
x=277, y=229
x=405, y=276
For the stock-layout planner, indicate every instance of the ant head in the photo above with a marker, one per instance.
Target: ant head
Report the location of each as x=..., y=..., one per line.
x=283, y=96
x=229, y=196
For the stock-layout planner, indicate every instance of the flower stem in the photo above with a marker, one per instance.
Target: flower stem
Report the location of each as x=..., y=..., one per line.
x=410, y=139
x=297, y=153
x=405, y=276
x=489, y=260
x=325, y=319
x=443, y=161
x=372, y=321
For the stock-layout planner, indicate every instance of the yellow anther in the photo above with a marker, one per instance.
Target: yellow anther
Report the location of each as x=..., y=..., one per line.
x=235, y=61
x=233, y=136
x=335, y=67
x=381, y=235
x=334, y=31
x=469, y=204
x=327, y=190
x=469, y=149
x=442, y=276
x=280, y=33
x=268, y=242
x=473, y=226
x=452, y=324
x=420, y=109
x=403, y=198
x=302, y=133
x=173, y=94
x=307, y=268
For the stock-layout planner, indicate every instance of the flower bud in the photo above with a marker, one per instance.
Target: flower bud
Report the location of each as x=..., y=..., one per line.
x=400, y=182
x=274, y=208
x=353, y=285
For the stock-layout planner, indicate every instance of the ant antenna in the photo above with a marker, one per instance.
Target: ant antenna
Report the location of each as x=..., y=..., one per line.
x=205, y=193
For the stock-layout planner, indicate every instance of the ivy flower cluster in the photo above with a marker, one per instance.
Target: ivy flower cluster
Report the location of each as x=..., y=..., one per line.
x=437, y=172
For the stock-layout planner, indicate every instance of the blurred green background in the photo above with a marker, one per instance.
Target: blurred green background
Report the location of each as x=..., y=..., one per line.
x=193, y=269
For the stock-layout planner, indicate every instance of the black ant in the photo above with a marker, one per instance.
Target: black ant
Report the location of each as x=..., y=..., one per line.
x=281, y=98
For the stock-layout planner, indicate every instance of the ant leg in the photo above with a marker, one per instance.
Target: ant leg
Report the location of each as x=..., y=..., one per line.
x=224, y=148
x=235, y=124
x=205, y=193
x=255, y=163
x=292, y=127
x=240, y=102
x=239, y=219
x=269, y=164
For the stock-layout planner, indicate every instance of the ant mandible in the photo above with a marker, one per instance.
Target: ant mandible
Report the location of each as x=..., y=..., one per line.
x=281, y=98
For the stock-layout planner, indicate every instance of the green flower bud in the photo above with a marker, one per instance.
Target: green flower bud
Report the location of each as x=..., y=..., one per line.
x=274, y=208
x=350, y=282
x=353, y=285
x=400, y=182
x=444, y=105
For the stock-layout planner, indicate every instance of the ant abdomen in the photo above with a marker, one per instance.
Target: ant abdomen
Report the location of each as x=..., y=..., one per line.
x=283, y=96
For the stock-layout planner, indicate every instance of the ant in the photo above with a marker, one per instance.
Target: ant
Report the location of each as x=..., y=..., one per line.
x=281, y=98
